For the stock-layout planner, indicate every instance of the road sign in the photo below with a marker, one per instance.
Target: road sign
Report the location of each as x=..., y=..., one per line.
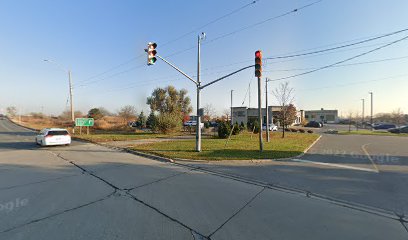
x=84, y=122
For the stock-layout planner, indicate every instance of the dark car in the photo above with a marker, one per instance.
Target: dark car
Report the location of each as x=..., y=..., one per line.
x=313, y=124
x=384, y=126
x=403, y=129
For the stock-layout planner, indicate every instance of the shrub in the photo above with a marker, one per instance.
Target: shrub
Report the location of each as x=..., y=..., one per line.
x=302, y=130
x=310, y=131
x=236, y=130
x=293, y=130
x=169, y=122
x=207, y=124
x=257, y=127
x=241, y=126
x=223, y=130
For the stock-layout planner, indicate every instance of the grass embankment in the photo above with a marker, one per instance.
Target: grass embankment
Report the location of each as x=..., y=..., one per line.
x=239, y=147
x=125, y=136
x=374, y=133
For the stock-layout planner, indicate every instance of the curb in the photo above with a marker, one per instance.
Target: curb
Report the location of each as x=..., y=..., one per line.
x=308, y=148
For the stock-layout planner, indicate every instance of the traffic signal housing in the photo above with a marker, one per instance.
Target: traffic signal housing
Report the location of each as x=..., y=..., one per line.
x=258, y=63
x=151, y=53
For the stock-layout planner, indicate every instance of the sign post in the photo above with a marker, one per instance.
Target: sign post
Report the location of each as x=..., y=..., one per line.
x=84, y=122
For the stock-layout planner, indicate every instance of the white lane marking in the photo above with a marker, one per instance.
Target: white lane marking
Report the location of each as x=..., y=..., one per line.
x=336, y=165
x=369, y=157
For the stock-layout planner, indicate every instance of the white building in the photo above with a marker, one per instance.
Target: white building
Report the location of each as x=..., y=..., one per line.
x=245, y=115
x=322, y=115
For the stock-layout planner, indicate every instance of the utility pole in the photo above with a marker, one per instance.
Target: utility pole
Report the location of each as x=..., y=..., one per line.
x=267, y=110
x=371, y=118
x=71, y=101
x=362, y=119
x=249, y=99
x=232, y=120
x=260, y=113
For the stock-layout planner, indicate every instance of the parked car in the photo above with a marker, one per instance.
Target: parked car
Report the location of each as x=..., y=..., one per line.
x=403, y=129
x=53, y=136
x=272, y=127
x=193, y=123
x=384, y=126
x=313, y=124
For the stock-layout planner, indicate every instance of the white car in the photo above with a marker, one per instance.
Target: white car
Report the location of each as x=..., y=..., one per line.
x=53, y=136
x=272, y=127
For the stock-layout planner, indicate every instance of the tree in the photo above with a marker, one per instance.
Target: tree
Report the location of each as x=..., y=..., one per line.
x=11, y=111
x=397, y=116
x=284, y=95
x=151, y=121
x=170, y=100
x=209, y=112
x=141, y=120
x=287, y=115
x=95, y=113
x=105, y=112
x=127, y=113
x=170, y=103
x=66, y=115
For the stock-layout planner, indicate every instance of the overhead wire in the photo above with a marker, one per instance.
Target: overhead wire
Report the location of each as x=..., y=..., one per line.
x=342, y=61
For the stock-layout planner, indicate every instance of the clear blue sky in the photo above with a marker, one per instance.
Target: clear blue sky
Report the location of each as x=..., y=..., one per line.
x=102, y=42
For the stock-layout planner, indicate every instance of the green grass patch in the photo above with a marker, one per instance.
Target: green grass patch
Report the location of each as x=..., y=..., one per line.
x=126, y=136
x=239, y=147
x=374, y=133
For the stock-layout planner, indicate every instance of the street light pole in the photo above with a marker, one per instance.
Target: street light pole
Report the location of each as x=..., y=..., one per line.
x=362, y=119
x=267, y=110
x=371, y=118
x=232, y=121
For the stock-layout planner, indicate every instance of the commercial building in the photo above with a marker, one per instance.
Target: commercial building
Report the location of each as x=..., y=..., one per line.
x=322, y=115
x=245, y=115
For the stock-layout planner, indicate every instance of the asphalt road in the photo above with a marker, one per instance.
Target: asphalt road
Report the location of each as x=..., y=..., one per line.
x=364, y=170
x=86, y=191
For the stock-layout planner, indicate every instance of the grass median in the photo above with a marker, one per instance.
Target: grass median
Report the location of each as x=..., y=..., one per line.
x=240, y=147
x=126, y=136
x=374, y=133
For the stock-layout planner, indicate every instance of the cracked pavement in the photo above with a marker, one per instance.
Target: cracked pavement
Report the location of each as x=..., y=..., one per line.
x=86, y=191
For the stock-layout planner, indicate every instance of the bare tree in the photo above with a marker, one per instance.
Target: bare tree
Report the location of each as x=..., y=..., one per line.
x=11, y=111
x=284, y=95
x=209, y=112
x=226, y=113
x=397, y=116
x=127, y=113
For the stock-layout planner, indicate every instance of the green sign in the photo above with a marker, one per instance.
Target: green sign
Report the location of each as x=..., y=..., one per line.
x=84, y=122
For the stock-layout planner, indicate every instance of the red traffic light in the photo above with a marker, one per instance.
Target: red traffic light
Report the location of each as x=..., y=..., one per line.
x=258, y=54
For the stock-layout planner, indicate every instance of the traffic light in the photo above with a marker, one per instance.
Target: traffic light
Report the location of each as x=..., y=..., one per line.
x=151, y=53
x=258, y=63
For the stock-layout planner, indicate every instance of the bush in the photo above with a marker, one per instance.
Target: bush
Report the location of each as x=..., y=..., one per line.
x=236, y=130
x=169, y=122
x=293, y=130
x=241, y=126
x=224, y=130
x=207, y=124
x=257, y=127
x=302, y=130
x=310, y=131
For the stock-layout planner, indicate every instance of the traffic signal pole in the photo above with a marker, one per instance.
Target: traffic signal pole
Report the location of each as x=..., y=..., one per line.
x=260, y=113
x=198, y=127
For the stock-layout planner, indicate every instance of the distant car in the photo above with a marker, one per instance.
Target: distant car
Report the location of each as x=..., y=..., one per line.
x=313, y=124
x=384, y=126
x=272, y=127
x=53, y=136
x=193, y=123
x=403, y=129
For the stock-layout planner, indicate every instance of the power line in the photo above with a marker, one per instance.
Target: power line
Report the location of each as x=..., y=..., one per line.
x=174, y=40
x=247, y=27
x=358, y=82
x=343, y=46
x=340, y=62
x=340, y=65
x=211, y=22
